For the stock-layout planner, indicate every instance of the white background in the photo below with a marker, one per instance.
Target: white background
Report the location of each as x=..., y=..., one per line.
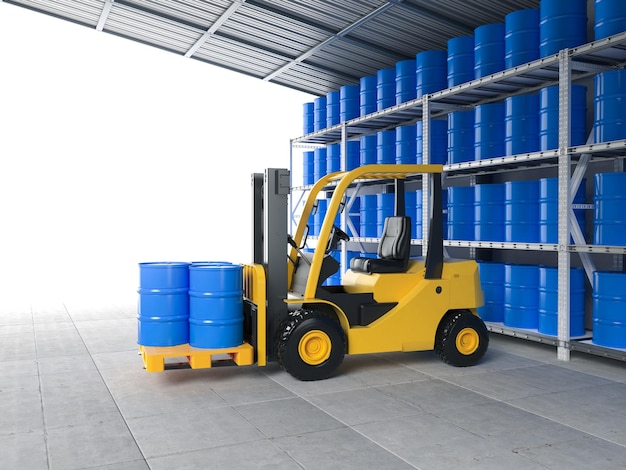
x=113, y=153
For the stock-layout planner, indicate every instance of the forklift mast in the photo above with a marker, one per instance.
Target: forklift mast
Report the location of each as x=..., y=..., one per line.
x=270, y=192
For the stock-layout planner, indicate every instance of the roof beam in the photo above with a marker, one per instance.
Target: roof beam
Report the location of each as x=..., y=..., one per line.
x=438, y=19
x=215, y=26
x=305, y=55
x=104, y=15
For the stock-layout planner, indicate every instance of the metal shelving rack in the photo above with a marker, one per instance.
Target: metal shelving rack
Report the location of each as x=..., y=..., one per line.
x=562, y=69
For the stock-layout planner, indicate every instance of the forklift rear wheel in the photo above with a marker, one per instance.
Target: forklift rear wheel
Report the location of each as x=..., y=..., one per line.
x=311, y=345
x=462, y=339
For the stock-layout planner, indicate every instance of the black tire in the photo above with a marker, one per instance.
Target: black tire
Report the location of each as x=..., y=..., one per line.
x=462, y=339
x=310, y=345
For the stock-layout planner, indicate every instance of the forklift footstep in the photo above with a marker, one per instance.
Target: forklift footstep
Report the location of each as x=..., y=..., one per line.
x=154, y=357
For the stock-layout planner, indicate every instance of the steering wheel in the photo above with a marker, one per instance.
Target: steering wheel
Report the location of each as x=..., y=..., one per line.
x=335, y=237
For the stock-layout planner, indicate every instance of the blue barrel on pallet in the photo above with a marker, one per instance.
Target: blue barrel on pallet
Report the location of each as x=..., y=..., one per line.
x=460, y=60
x=521, y=124
x=353, y=157
x=406, y=150
x=319, y=162
x=319, y=113
x=549, y=209
x=405, y=81
x=215, y=305
x=492, y=284
x=521, y=297
x=610, y=18
x=460, y=136
x=348, y=102
x=549, y=116
x=489, y=212
x=489, y=131
x=609, y=309
x=562, y=25
x=461, y=213
x=308, y=170
x=431, y=72
x=609, y=213
x=549, y=301
x=368, y=152
x=367, y=94
x=332, y=108
x=521, y=211
x=609, y=106
x=488, y=49
x=438, y=141
x=521, y=37
x=333, y=158
x=385, y=88
x=308, y=118
x=386, y=208
x=163, y=317
x=368, y=207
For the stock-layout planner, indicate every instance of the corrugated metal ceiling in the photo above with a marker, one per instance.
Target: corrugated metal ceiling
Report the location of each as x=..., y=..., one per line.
x=315, y=46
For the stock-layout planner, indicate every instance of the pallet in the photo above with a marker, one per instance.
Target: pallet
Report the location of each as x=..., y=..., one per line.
x=198, y=358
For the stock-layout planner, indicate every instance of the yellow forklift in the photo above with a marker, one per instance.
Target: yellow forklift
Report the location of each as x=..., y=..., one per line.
x=394, y=302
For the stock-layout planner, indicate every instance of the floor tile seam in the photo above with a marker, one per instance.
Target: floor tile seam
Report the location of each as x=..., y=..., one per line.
x=40, y=390
x=561, y=423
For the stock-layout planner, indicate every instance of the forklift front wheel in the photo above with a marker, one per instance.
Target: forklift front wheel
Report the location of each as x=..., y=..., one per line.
x=462, y=339
x=311, y=345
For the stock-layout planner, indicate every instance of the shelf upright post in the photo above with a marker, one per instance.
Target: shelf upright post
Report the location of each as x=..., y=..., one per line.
x=563, y=313
x=344, y=215
x=426, y=206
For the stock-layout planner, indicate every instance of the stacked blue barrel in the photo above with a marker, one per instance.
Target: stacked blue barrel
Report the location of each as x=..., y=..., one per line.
x=200, y=303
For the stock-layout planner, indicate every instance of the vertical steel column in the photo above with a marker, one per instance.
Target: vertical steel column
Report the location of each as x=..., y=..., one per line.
x=563, y=313
x=426, y=204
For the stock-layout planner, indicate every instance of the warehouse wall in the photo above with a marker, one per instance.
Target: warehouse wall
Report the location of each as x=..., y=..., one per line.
x=115, y=153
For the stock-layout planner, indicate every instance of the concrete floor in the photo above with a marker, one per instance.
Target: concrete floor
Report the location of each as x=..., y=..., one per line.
x=74, y=395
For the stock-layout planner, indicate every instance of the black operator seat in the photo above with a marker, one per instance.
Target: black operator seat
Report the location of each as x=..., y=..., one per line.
x=393, y=249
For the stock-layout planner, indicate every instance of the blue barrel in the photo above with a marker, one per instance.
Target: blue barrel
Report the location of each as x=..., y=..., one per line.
x=354, y=155
x=610, y=106
x=488, y=49
x=386, y=208
x=308, y=169
x=332, y=108
x=308, y=118
x=461, y=213
x=610, y=18
x=385, y=88
x=460, y=60
x=521, y=37
x=415, y=212
x=609, y=309
x=521, y=296
x=367, y=95
x=521, y=124
x=349, y=102
x=319, y=162
x=562, y=25
x=369, y=215
x=460, y=136
x=549, y=116
x=410, y=209
x=406, y=150
x=163, y=304
x=489, y=212
x=438, y=141
x=368, y=149
x=431, y=72
x=549, y=209
x=319, y=113
x=549, y=301
x=333, y=158
x=215, y=305
x=521, y=211
x=492, y=284
x=405, y=81
x=386, y=146
x=609, y=211
x=318, y=217
x=489, y=131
